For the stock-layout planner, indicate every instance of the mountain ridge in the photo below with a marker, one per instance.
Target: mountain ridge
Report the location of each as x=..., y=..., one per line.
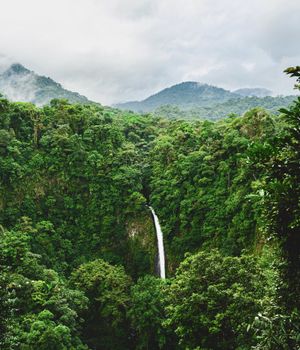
x=185, y=100
x=185, y=94
x=18, y=83
x=194, y=100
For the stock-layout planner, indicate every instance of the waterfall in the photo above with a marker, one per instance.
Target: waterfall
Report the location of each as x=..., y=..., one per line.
x=160, y=244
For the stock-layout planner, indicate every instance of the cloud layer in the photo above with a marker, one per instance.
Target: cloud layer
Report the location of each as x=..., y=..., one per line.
x=121, y=50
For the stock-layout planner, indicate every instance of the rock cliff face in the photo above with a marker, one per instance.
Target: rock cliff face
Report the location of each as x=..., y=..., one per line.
x=142, y=238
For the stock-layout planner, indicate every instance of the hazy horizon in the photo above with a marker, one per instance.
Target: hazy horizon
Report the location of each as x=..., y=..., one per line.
x=115, y=52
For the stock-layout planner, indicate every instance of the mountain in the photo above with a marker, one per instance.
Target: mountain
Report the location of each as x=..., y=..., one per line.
x=186, y=100
x=184, y=95
x=192, y=100
x=257, y=92
x=237, y=106
x=18, y=83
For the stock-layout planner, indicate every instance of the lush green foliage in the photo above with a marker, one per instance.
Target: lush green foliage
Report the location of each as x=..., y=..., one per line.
x=203, y=182
x=77, y=245
x=83, y=176
x=213, y=299
x=148, y=313
x=38, y=310
x=107, y=288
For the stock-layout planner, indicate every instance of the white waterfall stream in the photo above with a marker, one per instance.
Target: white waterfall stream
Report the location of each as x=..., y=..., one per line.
x=160, y=245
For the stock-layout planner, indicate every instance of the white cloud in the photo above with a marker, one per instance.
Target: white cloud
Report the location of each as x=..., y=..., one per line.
x=126, y=49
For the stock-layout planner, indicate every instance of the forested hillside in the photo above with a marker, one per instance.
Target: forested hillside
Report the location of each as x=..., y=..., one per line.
x=194, y=101
x=185, y=95
x=219, y=110
x=18, y=83
x=78, y=247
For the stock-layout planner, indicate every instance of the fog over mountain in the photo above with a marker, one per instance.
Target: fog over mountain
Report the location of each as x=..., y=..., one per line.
x=18, y=83
x=112, y=51
x=186, y=100
x=258, y=92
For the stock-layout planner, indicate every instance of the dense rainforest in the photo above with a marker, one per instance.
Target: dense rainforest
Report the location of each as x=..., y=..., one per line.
x=78, y=247
x=219, y=110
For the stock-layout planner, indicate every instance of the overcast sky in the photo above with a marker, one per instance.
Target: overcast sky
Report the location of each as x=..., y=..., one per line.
x=118, y=50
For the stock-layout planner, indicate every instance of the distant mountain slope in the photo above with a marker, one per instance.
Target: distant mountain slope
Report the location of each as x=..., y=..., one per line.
x=192, y=100
x=18, y=83
x=258, y=92
x=221, y=110
x=184, y=95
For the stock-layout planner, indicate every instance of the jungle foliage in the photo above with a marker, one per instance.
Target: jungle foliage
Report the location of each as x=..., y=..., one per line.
x=78, y=249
